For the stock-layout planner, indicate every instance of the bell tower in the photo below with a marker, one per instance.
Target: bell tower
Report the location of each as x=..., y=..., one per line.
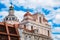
x=11, y=18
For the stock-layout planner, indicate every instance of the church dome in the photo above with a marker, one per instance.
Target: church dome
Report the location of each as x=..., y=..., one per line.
x=11, y=18
x=28, y=14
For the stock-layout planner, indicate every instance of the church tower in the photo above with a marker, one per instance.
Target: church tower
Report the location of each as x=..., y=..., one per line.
x=11, y=18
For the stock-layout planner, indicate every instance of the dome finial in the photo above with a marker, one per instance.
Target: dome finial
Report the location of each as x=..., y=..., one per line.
x=11, y=7
x=11, y=3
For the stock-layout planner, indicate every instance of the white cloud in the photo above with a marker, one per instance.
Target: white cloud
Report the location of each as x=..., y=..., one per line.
x=36, y=3
x=51, y=15
x=54, y=15
x=50, y=23
x=33, y=3
x=48, y=4
x=57, y=17
x=5, y=2
x=3, y=13
x=56, y=30
x=18, y=14
x=56, y=36
x=57, y=2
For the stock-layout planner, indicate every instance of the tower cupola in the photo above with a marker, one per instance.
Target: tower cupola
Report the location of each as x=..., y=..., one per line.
x=11, y=18
x=11, y=10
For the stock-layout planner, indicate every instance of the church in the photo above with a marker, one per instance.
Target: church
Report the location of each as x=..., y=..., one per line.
x=32, y=27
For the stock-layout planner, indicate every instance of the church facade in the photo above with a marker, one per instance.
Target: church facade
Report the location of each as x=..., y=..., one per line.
x=32, y=27
x=35, y=27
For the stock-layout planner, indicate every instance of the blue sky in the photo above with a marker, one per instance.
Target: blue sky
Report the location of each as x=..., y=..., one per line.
x=50, y=8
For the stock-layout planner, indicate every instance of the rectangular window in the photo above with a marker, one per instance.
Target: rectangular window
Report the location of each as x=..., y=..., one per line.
x=43, y=19
x=2, y=28
x=24, y=26
x=14, y=38
x=25, y=37
x=12, y=30
x=3, y=37
x=31, y=27
x=48, y=32
x=40, y=19
x=36, y=31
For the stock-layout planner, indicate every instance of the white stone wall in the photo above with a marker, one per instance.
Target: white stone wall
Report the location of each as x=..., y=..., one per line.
x=28, y=36
x=42, y=29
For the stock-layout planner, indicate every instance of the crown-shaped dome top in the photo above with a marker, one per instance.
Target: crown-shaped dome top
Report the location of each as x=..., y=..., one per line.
x=11, y=7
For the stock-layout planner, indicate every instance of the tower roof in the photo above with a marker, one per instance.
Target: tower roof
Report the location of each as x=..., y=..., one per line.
x=11, y=7
x=28, y=14
x=11, y=16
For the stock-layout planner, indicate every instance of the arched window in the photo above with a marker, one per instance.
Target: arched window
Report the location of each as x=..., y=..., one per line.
x=13, y=18
x=9, y=18
x=6, y=18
